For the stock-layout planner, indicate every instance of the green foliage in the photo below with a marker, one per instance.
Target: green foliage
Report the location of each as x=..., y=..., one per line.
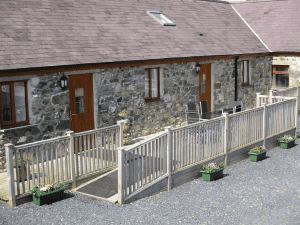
x=286, y=138
x=257, y=150
x=44, y=189
x=213, y=167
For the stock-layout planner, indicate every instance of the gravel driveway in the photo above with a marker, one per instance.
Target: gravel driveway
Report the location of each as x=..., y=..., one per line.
x=266, y=192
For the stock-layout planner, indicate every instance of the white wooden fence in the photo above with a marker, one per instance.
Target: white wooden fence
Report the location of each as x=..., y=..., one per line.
x=142, y=166
x=65, y=158
x=182, y=147
x=277, y=96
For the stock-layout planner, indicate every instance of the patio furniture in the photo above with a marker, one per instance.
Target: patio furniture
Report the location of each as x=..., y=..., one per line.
x=206, y=114
x=233, y=107
x=192, y=114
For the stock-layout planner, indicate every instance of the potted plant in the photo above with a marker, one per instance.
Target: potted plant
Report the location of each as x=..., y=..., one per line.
x=257, y=153
x=287, y=141
x=126, y=138
x=212, y=171
x=48, y=193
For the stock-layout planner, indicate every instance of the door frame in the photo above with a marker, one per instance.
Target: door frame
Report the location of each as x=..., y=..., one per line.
x=209, y=65
x=89, y=98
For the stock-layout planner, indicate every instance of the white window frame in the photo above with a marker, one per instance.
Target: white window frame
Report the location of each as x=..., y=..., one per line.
x=163, y=20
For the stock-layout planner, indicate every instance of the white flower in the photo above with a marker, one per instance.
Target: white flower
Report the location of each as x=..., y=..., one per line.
x=43, y=189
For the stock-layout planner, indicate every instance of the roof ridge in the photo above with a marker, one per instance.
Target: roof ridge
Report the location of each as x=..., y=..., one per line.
x=251, y=29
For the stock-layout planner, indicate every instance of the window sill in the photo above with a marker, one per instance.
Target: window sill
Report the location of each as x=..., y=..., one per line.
x=16, y=128
x=248, y=85
x=152, y=100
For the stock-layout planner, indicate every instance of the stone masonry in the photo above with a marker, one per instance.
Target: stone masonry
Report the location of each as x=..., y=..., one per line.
x=116, y=89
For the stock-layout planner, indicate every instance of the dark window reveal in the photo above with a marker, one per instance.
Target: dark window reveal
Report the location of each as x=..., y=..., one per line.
x=152, y=84
x=280, y=76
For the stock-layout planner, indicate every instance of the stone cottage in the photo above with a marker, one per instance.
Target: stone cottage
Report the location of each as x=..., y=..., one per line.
x=75, y=66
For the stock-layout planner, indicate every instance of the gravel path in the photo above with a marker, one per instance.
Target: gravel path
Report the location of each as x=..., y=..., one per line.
x=266, y=192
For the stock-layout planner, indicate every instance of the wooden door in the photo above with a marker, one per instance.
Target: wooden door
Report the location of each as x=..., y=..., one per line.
x=81, y=102
x=205, y=84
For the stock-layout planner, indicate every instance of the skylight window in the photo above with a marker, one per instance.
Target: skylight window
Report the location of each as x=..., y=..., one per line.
x=159, y=17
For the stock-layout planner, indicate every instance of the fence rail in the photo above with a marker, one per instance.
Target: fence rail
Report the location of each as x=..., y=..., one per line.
x=62, y=158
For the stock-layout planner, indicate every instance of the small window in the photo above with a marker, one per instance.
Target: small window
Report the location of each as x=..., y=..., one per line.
x=152, y=84
x=159, y=17
x=280, y=76
x=245, y=69
x=13, y=103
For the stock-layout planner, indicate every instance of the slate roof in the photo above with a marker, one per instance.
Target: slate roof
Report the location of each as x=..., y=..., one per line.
x=277, y=23
x=35, y=33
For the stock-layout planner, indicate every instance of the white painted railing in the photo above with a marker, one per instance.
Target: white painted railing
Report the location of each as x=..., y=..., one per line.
x=192, y=144
x=196, y=142
x=280, y=116
x=142, y=166
x=96, y=149
x=62, y=159
x=245, y=127
x=288, y=92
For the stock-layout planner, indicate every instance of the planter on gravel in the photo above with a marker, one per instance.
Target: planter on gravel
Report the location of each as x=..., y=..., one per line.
x=257, y=154
x=212, y=171
x=48, y=193
x=287, y=141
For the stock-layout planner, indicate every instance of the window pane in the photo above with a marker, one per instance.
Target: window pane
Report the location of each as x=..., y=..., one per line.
x=20, y=103
x=203, y=83
x=147, y=86
x=154, y=78
x=6, y=101
x=79, y=100
x=245, y=71
x=282, y=80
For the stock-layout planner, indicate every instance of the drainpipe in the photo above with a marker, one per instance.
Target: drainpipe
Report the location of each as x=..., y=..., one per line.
x=235, y=82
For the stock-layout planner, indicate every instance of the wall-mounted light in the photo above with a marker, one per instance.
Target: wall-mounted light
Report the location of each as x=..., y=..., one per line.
x=198, y=67
x=64, y=82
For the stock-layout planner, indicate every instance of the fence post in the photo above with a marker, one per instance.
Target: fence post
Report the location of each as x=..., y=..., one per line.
x=169, y=157
x=296, y=116
x=298, y=97
x=271, y=96
x=120, y=175
x=257, y=99
x=10, y=174
x=70, y=134
x=121, y=123
x=264, y=124
x=225, y=135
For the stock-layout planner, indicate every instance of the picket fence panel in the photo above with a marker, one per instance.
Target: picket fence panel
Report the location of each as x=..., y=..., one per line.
x=245, y=127
x=144, y=164
x=196, y=142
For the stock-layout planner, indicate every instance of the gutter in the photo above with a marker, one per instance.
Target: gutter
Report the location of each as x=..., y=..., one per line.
x=235, y=80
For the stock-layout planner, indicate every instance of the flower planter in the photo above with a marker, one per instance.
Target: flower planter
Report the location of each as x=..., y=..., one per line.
x=287, y=145
x=212, y=176
x=49, y=197
x=126, y=141
x=254, y=157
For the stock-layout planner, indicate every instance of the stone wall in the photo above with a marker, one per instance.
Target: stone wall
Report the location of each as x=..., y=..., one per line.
x=116, y=89
x=294, y=66
x=260, y=80
x=49, y=113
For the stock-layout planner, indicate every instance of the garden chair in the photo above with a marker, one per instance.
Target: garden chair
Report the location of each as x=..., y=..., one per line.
x=192, y=114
